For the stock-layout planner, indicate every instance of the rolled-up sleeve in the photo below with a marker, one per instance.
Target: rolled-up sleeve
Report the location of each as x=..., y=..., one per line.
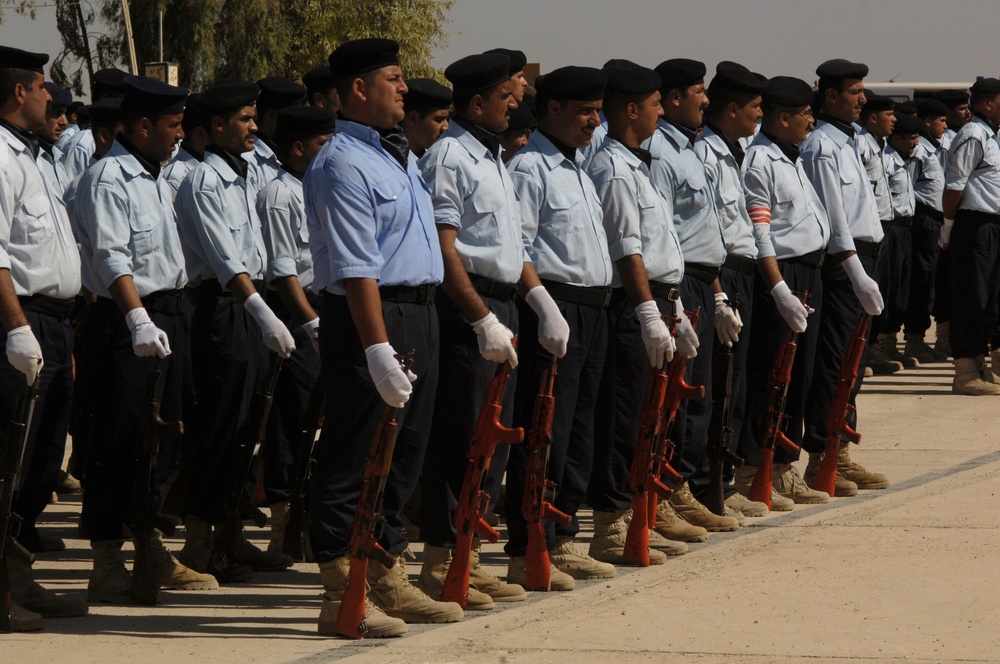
x=6, y=206
x=102, y=212
x=280, y=221
x=345, y=217
x=529, y=198
x=757, y=184
x=208, y=220
x=963, y=158
x=621, y=218
x=446, y=190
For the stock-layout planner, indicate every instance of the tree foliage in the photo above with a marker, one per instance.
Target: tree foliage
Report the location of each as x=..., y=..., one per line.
x=22, y=7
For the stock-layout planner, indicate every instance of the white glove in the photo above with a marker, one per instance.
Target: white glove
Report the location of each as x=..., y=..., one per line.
x=24, y=353
x=727, y=320
x=553, y=330
x=944, y=240
x=687, y=338
x=865, y=287
x=147, y=339
x=655, y=334
x=312, y=329
x=391, y=381
x=276, y=336
x=790, y=307
x=494, y=340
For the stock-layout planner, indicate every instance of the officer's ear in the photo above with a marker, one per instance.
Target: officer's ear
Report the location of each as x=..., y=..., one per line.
x=732, y=109
x=218, y=125
x=298, y=148
x=553, y=108
x=632, y=110
x=672, y=98
x=476, y=104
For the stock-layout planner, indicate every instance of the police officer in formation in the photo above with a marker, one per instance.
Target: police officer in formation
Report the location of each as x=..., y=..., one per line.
x=396, y=254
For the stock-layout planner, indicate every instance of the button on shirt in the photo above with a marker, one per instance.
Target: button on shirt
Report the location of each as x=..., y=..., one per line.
x=178, y=168
x=974, y=165
x=286, y=236
x=900, y=184
x=36, y=242
x=127, y=226
x=78, y=153
x=679, y=175
x=872, y=153
x=637, y=220
x=927, y=172
x=561, y=219
x=473, y=193
x=368, y=217
x=789, y=219
x=724, y=174
x=217, y=218
x=831, y=161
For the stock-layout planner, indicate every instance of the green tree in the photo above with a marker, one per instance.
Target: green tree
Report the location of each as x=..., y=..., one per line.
x=23, y=7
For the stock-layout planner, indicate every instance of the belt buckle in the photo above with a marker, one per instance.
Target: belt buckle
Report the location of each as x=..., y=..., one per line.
x=673, y=294
x=607, y=298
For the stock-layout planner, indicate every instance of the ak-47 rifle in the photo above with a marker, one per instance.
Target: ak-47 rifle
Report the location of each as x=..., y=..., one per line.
x=367, y=524
x=720, y=434
x=534, y=503
x=239, y=501
x=146, y=510
x=837, y=428
x=312, y=421
x=776, y=420
x=11, y=458
x=473, y=499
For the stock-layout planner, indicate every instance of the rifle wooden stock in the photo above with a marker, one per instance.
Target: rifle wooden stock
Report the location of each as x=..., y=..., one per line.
x=367, y=525
x=312, y=421
x=534, y=505
x=152, y=429
x=473, y=499
x=837, y=428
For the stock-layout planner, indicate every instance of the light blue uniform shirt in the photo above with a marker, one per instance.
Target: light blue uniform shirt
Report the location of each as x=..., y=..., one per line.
x=637, y=220
x=68, y=133
x=178, y=168
x=473, y=193
x=126, y=225
x=78, y=153
x=730, y=200
x=947, y=138
x=900, y=183
x=368, y=217
x=561, y=219
x=264, y=164
x=286, y=236
x=600, y=135
x=789, y=218
x=680, y=176
x=974, y=165
x=52, y=169
x=831, y=161
x=217, y=218
x=927, y=172
x=873, y=157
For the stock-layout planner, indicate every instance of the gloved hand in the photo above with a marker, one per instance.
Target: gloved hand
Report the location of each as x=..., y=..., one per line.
x=391, y=381
x=553, y=330
x=312, y=329
x=944, y=240
x=865, y=287
x=727, y=320
x=147, y=339
x=659, y=342
x=494, y=340
x=274, y=333
x=687, y=338
x=24, y=353
x=790, y=307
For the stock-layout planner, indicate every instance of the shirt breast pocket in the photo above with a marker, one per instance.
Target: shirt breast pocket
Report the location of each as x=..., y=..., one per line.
x=35, y=224
x=143, y=226
x=487, y=202
x=692, y=193
x=651, y=219
x=565, y=208
x=387, y=195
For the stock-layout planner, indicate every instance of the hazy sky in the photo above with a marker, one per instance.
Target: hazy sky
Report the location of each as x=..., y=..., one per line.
x=902, y=39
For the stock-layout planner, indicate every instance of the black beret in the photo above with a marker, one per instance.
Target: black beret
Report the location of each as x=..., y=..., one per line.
x=629, y=78
x=193, y=117
x=517, y=58
x=226, y=95
x=426, y=93
x=931, y=108
x=475, y=73
x=952, y=98
x=521, y=118
x=109, y=81
x=362, y=55
x=875, y=103
x=150, y=95
x=296, y=122
x=279, y=92
x=906, y=108
x=15, y=58
x=986, y=86
x=735, y=77
x=681, y=73
x=788, y=91
x=105, y=112
x=908, y=124
x=318, y=79
x=61, y=97
x=840, y=69
x=575, y=83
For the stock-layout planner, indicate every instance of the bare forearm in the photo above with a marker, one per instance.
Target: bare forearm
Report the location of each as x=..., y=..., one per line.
x=529, y=279
x=124, y=293
x=293, y=296
x=11, y=315
x=241, y=286
x=457, y=285
x=365, y=305
x=634, y=278
x=950, y=200
x=768, y=268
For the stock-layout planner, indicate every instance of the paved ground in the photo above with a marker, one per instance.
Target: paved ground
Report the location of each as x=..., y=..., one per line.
x=908, y=573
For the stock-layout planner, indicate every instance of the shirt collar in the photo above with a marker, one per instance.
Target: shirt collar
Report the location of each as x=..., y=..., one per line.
x=487, y=139
x=633, y=156
x=982, y=118
x=287, y=174
x=265, y=145
x=551, y=153
x=144, y=164
x=237, y=165
x=845, y=127
x=734, y=148
x=681, y=138
x=930, y=139
x=29, y=140
x=183, y=154
x=789, y=151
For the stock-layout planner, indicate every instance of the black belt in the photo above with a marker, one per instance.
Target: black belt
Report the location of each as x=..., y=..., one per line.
x=492, y=288
x=48, y=306
x=980, y=217
x=212, y=287
x=274, y=300
x=740, y=264
x=812, y=259
x=669, y=292
x=868, y=248
x=422, y=294
x=705, y=273
x=899, y=221
x=592, y=296
x=928, y=211
x=166, y=302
